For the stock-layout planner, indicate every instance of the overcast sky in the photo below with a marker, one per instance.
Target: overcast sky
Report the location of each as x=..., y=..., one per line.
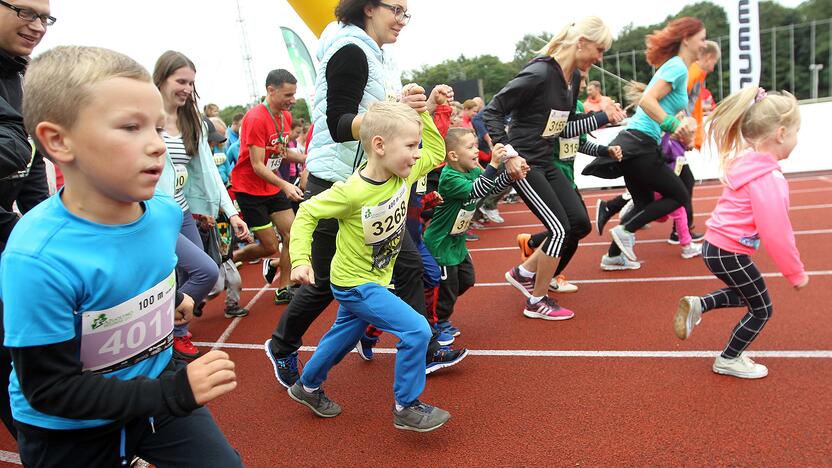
x=207, y=31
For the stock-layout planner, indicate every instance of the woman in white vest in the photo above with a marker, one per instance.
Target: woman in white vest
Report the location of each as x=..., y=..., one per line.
x=351, y=76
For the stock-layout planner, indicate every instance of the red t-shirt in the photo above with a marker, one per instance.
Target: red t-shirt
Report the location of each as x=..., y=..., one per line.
x=258, y=129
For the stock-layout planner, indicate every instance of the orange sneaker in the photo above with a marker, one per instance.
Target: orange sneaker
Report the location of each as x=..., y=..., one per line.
x=561, y=285
x=525, y=250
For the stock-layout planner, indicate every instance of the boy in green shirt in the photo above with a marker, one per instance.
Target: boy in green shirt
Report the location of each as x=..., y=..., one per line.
x=371, y=208
x=462, y=184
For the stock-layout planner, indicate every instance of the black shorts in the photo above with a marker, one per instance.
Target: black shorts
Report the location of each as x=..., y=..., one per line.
x=256, y=210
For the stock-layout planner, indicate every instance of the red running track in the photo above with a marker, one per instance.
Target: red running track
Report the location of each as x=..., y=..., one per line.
x=613, y=386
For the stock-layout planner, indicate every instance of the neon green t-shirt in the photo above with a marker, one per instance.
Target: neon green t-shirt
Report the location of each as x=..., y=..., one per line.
x=371, y=219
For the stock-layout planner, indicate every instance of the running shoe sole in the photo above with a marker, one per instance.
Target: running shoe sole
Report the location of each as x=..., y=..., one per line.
x=446, y=342
x=359, y=348
x=606, y=267
x=431, y=370
x=553, y=286
x=741, y=375
x=680, y=320
x=274, y=363
x=418, y=429
x=517, y=285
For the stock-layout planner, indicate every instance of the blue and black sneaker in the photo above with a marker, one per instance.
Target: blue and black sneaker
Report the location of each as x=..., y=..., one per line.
x=445, y=326
x=445, y=357
x=285, y=369
x=365, y=347
x=442, y=336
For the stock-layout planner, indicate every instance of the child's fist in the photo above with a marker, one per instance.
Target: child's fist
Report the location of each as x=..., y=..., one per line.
x=615, y=152
x=211, y=376
x=498, y=152
x=303, y=274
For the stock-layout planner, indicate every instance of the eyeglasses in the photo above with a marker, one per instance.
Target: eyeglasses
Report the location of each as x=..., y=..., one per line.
x=30, y=15
x=399, y=13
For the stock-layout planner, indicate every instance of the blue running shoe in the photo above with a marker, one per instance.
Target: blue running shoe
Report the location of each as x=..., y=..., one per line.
x=365, y=347
x=445, y=326
x=443, y=337
x=445, y=357
x=285, y=369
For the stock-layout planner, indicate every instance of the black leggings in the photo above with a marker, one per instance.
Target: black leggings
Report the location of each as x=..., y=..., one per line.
x=566, y=254
x=550, y=196
x=746, y=287
x=645, y=172
x=455, y=281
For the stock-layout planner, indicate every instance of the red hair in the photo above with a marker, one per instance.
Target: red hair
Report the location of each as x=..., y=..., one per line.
x=664, y=44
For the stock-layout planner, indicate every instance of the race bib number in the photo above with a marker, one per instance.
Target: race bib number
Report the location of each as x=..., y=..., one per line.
x=219, y=158
x=680, y=164
x=555, y=124
x=181, y=176
x=130, y=332
x=422, y=185
x=462, y=221
x=273, y=163
x=569, y=147
x=382, y=221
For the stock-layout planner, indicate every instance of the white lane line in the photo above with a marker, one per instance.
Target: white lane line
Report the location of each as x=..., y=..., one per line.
x=697, y=215
x=231, y=326
x=641, y=280
x=807, y=232
x=10, y=457
x=794, y=354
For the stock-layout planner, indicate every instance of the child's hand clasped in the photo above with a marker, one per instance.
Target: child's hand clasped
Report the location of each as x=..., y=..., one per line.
x=303, y=274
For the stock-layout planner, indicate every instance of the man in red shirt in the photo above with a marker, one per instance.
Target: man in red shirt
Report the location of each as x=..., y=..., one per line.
x=595, y=101
x=263, y=196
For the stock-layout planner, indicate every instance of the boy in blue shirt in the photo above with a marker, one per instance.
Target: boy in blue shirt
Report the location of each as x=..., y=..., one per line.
x=88, y=282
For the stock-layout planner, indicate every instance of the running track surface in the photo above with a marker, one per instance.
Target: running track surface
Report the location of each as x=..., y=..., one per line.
x=611, y=386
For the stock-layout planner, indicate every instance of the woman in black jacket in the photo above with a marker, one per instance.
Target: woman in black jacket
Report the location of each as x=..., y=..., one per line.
x=540, y=102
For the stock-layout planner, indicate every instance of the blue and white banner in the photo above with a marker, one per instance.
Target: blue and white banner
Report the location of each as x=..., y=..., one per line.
x=744, y=17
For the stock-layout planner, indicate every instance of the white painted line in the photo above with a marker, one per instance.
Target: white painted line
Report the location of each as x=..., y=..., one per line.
x=796, y=354
x=648, y=241
x=10, y=457
x=231, y=326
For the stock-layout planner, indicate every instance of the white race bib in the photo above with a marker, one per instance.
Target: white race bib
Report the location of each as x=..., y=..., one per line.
x=556, y=123
x=422, y=185
x=130, y=332
x=462, y=221
x=569, y=147
x=680, y=164
x=273, y=163
x=382, y=221
x=181, y=176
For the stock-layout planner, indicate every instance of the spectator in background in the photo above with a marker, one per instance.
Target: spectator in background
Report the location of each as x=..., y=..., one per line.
x=456, y=114
x=233, y=132
x=595, y=101
x=211, y=110
x=469, y=110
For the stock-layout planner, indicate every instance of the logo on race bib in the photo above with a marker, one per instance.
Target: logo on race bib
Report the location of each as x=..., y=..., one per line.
x=100, y=320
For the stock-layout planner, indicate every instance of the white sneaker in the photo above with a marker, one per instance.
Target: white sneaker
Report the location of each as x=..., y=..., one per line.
x=492, y=215
x=618, y=263
x=625, y=241
x=561, y=285
x=688, y=315
x=691, y=250
x=628, y=207
x=742, y=367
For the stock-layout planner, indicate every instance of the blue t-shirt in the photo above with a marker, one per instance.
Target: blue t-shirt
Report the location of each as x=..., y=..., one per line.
x=231, y=137
x=232, y=154
x=109, y=287
x=674, y=72
x=479, y=127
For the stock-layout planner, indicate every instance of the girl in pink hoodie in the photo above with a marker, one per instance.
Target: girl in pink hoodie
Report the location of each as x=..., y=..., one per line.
x=752, y=131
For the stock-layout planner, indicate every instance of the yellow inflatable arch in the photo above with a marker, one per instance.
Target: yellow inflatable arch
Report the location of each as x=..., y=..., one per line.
x=315, y=13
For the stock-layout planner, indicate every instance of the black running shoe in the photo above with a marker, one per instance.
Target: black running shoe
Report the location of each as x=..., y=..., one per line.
x=269, y=270
x=445, y=357
x=602, y=215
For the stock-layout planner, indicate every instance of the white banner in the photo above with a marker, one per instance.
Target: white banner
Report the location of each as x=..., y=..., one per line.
x=744, y=16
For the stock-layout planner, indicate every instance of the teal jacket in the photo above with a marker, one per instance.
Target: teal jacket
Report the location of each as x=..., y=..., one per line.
x=204, y=190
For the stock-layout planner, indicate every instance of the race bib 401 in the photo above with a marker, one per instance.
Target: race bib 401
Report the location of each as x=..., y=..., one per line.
x=130, y=332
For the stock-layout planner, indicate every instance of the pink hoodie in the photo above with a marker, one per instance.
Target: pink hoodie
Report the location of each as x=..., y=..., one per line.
x=754, y=208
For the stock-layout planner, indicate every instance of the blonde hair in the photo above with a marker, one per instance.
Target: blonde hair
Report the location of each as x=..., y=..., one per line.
x=453, y=139
x=741, y=119
x=386, y=119
x=712, y=48
x=469, y=104
x=591, y=28
x=59, y=82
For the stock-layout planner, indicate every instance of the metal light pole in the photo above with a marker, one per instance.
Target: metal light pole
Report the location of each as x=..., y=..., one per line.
x=815, y=68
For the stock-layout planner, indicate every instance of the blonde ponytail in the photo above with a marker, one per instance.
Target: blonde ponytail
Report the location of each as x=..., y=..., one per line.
x=592, y=28
x=749, y=116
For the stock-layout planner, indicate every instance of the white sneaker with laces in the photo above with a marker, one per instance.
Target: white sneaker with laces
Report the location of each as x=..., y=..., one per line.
x=743, y=367
x=618, y=263
x=492, y=215
x=560, y=284
x=688, y=315
x=691, y=250
x=625, y=241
